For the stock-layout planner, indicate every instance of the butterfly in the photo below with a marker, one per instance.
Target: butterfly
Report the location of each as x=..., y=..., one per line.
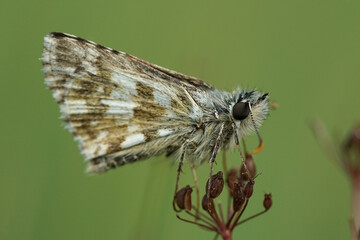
x=122, y=109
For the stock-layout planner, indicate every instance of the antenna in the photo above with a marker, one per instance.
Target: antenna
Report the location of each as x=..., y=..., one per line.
x=261, y=142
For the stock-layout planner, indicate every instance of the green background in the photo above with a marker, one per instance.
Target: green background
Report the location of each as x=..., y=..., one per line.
x=305, y=53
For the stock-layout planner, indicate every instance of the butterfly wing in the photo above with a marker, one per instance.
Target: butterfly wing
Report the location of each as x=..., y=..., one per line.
x=119, y=108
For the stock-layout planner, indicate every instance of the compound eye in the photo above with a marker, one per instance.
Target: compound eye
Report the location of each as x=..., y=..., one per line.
x=240, y=110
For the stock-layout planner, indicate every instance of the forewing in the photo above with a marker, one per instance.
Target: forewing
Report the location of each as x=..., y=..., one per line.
x=118, y=107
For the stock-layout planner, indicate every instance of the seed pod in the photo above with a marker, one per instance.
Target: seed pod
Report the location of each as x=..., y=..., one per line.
x=239, y=197
x=183, y=198
x=187, y=199
x=267, y=201
x=232, y=178
x=249, y=188
x=217, y=185
x=205, y=203
x=353, y=140
x=250, y=164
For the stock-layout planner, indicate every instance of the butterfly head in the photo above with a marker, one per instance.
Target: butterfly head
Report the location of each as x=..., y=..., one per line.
x=249, y=110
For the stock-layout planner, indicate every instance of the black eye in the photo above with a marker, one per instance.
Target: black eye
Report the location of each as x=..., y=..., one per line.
x=240, y=110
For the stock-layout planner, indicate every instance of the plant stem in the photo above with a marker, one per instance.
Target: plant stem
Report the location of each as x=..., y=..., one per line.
x=356, y=206
x=192, y=166
x=226, y=235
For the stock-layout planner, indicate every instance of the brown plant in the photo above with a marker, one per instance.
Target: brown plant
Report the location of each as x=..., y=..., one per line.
x=240, y=184
x=347, y=154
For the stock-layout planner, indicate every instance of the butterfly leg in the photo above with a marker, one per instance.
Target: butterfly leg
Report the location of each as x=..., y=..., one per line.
x=193, y=170
x=239, y=149
x=213, y=157
x=179, y=170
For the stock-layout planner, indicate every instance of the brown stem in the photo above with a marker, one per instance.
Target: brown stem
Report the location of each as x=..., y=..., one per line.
x=230, y=208
x=356, y=206
x=221, y=212
x=214, y=214
x=226, y=171
x=238, y=217
x=251, y=217
x=226, y=234
x=224, y=161
x=325, y=141
x=233, y=215
x=199, y=213
x=353, y=229
x=201, y=219
x=199, y=224
x=244, y=146
x=193, y=170
x=230, y=218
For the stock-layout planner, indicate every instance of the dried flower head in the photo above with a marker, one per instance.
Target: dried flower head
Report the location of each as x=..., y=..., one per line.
x=239, y=197
x=183, y=198
x=217, y=185
x=240, y=190
x=267, y=201
x=232, y=178
x=250, y=164
x=249, y=188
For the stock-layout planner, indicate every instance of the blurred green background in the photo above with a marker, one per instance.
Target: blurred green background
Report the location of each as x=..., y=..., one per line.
x=306, y=53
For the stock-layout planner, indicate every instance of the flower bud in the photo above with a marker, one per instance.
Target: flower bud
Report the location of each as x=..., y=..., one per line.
x=183, y=198
x=232, y=178
x=250, y=164
x=217, y=184
x=267, y=201
x=205, y=203
x=249, y=188
x=239, y=197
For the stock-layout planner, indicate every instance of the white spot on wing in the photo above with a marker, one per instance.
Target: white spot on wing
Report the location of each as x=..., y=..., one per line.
x=57, y=94
x=47, y=68
x=132, y=127
x=100, y=89
x=49, y=42
x=127, y=83
x=69, y=70
x=89, y=67
x=119, y=107
x=97, y=148
x=201, y=98
x=133, y=140
x=101, y=136
x=170, y=113
x=118, y=94
x=161, y=98
x=92, y=55
x=101, y=147
x=164, y=132
x=74, y=107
